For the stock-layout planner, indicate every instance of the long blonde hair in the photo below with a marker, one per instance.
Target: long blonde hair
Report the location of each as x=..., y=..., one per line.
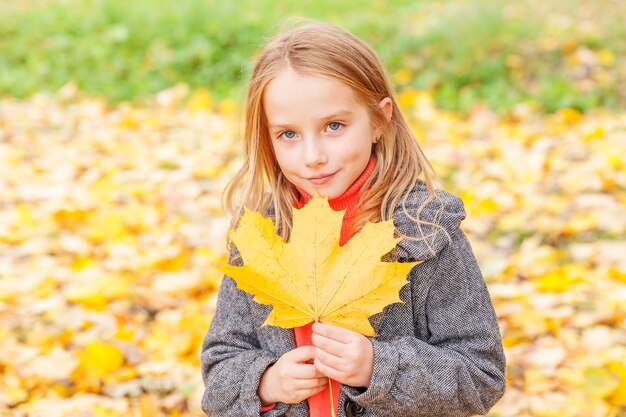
x=318, y=48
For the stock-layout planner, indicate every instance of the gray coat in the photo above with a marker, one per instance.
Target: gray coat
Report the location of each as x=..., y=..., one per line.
x=437, y=354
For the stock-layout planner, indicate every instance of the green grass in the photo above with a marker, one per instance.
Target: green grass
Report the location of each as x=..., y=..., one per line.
x=461, y=50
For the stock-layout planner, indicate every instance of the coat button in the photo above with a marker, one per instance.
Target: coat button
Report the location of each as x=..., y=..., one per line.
x=353, y=409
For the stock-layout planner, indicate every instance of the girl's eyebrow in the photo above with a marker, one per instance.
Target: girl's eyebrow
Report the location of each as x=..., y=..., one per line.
x=339, y=113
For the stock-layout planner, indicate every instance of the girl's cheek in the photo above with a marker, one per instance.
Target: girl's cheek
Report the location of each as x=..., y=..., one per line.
x=351, y=153
x=283, y=157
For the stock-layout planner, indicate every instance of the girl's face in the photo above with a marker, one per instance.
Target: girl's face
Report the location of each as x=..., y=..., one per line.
x=321, y=136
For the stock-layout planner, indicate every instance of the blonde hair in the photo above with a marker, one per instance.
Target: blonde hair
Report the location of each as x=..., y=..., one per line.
x=318, y=48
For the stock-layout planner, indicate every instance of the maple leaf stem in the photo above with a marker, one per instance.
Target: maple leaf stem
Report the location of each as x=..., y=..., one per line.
x=332, y=405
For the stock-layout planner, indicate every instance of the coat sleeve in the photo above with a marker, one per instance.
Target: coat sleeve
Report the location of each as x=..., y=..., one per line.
x=460, y=370
x=232, y=359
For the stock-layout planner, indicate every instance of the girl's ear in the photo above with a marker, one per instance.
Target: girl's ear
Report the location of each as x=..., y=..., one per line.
x=387, y=105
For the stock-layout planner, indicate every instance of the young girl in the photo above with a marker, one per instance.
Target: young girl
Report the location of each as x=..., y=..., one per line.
x=321, y=117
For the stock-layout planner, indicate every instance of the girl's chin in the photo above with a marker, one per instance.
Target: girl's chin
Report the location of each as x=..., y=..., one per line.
x=326, y=194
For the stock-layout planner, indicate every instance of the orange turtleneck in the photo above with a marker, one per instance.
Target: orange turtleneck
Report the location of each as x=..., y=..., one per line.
x=319, y=404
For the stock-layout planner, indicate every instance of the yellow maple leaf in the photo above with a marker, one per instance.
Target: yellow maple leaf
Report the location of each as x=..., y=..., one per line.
x=312, y=278
x=98, y=360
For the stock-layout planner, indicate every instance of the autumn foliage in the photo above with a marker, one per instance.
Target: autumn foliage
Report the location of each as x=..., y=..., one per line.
x=111, y=235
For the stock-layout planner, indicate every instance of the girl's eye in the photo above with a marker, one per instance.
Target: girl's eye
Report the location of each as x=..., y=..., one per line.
x=289, y=134
x=336, y=125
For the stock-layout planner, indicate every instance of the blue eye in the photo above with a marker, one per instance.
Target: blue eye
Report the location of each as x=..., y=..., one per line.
x=336, y=124
x=287, y=136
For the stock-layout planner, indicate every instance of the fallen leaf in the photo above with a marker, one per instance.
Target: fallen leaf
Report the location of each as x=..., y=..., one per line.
x=99, y=359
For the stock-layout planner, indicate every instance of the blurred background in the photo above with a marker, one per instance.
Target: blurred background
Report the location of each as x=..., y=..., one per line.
x=121, y=122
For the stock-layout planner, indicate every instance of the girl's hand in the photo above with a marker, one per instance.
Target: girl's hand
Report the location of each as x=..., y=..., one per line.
x=292, y=378
x=343, y=355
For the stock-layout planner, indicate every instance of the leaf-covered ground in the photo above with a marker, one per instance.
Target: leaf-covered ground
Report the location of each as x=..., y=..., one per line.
x=111, y=230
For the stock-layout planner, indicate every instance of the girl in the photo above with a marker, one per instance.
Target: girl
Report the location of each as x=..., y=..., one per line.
x=321, y=117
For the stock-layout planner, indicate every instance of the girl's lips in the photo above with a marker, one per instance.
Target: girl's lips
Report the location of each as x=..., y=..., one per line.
x=323, y=180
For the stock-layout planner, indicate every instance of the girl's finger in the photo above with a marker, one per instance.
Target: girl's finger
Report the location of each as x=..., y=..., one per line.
x=334, y=332
x=330, y=360
x=322, y=382
x=318, y=382
x=329, y=345
x=314, y=391
x=308, y=371
x=302, y=384
x=319, y=389
x=302, y=354
x=329, y=371
x=301, y=395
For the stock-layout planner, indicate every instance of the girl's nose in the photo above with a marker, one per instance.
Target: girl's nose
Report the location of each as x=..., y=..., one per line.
x=314, y=153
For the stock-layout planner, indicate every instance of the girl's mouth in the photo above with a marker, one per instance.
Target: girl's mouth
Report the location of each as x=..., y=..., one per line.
x=321, y=180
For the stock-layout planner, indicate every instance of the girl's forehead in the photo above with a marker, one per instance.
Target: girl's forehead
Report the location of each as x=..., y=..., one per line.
x=293, y=94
